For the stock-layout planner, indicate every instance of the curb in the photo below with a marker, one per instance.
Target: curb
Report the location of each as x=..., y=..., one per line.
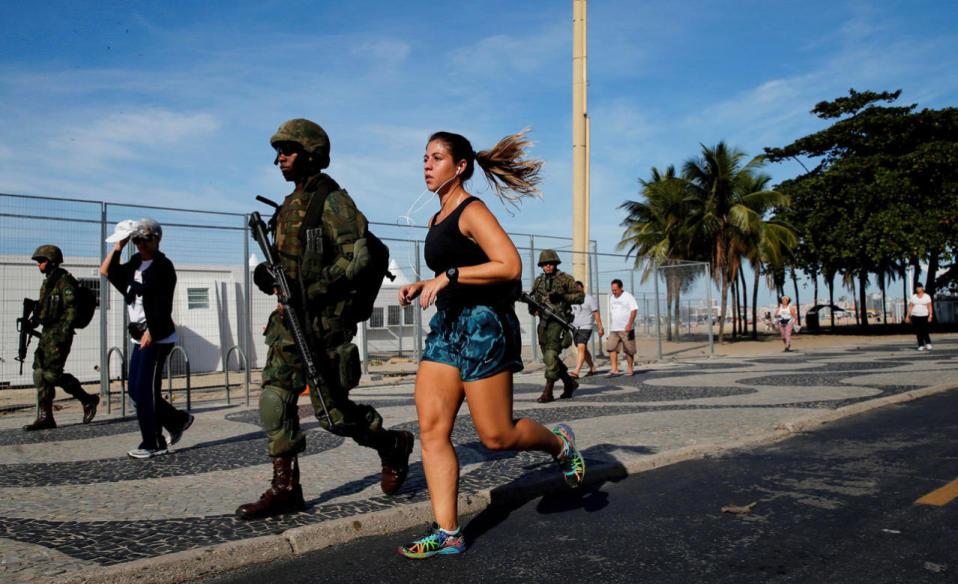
x=211, y=560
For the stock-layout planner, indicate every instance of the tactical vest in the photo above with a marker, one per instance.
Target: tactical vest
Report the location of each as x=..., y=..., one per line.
x=342, y=262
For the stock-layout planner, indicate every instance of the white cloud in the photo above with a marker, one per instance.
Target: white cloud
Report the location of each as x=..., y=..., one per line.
x=528, y=53
x=123, y=136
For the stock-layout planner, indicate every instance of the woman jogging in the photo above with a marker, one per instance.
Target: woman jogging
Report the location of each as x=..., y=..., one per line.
x=473, y=347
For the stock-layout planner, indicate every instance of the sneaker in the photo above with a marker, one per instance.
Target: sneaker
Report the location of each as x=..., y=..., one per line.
x=435, y=542
x=921, y=348
x=570, y=460
x=927, y=347
x=175, y=436
x=147, y=453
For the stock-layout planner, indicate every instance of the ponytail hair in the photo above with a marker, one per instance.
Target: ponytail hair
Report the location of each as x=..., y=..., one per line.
x=507, y=170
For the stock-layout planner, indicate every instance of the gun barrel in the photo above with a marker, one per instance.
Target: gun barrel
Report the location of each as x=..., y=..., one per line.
x=545, y=311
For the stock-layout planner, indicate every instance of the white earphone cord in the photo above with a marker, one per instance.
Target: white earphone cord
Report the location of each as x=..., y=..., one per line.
x=412, y=210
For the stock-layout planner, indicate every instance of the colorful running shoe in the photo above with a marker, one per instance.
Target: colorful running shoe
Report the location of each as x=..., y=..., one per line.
x=570, y=461
x=435, y=542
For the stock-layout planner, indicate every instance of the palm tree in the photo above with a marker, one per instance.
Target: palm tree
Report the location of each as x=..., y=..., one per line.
x=721, y=184
x=660, y=228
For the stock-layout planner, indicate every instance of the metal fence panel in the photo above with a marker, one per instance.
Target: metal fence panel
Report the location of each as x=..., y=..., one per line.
x=217, y=313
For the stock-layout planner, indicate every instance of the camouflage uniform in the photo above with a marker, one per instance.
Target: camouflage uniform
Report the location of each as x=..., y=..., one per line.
x=56, y=311
x=553, y=338
x=321, y=273
x=322, y=252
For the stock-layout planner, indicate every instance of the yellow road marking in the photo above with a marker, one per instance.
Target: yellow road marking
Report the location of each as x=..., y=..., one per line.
x=941, y=496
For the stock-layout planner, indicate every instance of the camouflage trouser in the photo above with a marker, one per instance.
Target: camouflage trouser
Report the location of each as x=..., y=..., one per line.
x=553, y=338
x=48, y=361
x=284, y=378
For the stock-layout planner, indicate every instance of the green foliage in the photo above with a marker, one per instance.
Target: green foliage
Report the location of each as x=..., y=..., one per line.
x=884, y=194
x=718, y=210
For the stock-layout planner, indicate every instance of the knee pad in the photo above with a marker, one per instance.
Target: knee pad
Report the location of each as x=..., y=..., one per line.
x=45, y=377
x=274, y=406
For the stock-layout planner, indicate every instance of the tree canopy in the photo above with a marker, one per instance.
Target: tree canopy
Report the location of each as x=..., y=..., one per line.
x=883, y=195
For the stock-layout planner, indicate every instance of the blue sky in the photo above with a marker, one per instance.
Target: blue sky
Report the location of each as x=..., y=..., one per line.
x=174, y=102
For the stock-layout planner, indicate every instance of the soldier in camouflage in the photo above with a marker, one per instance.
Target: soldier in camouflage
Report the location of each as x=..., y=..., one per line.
x=56, y=311
x=557, y=290
x=319, y=260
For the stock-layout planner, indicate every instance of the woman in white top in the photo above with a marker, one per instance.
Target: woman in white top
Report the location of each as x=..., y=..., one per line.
x=787, y=317
x=920, y=311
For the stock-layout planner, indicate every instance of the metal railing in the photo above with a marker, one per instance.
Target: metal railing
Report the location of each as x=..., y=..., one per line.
x=215, y=307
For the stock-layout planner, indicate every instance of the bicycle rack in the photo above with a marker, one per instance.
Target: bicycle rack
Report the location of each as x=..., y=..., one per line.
x=123, y=396
x=226, y=371
x=169, y=375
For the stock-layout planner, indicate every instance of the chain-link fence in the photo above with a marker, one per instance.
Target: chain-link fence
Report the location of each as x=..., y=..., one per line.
x=220, y=318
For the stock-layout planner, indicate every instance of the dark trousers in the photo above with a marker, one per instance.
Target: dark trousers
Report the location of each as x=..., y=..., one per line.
x=152, y=411
x=921, y=330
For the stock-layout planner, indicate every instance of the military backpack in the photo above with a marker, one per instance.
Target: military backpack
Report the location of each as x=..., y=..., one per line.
x=86, y=302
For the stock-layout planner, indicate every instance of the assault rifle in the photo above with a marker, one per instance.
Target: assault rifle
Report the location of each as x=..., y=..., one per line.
x=26, y=330
x=291, y=314
x=545, y=311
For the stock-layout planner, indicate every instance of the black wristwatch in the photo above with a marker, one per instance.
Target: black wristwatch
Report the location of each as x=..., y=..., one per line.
x=453, y=275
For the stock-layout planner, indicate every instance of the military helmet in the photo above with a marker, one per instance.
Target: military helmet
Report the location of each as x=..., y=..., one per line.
x=307, y=134
x=549, y=256
x=51, y=253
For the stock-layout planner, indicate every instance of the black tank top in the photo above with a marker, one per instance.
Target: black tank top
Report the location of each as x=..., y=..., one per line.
x=446, y=247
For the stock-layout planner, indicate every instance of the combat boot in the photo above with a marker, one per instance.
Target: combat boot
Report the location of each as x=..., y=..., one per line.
x=547, y=396
x=396, y=462
x=569, y=385
x=284, y=496
x=89, y=408
x=44, y=419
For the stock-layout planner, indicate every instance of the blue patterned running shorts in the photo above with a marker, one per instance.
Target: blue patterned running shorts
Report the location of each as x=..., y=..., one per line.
x=479, y=341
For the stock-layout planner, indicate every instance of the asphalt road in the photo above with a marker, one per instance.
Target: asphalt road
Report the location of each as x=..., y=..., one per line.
x=834, y=505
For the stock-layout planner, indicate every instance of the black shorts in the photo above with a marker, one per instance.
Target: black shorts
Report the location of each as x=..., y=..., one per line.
x=582, y=336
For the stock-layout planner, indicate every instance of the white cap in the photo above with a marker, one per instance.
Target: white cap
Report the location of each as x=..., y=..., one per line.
x=123, y=229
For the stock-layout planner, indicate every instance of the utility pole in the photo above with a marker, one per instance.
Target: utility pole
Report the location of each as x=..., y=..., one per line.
x=580, y=146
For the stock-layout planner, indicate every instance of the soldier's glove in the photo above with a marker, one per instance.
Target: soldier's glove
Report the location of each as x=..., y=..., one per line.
x=263, y=279
x=556, y=297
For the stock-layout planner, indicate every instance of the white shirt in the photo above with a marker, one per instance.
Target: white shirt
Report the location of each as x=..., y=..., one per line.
x=784, y=312
x=920, y=305
x=620, y=309
x=135, y=311
x=582, y=313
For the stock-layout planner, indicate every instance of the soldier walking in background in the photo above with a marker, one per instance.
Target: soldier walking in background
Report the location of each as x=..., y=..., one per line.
x=558, y=291
x=319, y=239
x=56, y=310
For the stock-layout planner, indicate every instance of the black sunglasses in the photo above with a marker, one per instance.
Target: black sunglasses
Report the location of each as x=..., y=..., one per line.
x=287, y=148
x=142, y=238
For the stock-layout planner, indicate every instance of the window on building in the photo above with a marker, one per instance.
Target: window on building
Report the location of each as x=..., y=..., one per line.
x=197, y=298
x=409, y=313
x=376, y=318
x=394, y=315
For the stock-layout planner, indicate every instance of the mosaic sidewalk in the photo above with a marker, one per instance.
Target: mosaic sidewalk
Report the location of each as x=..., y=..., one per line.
x=72, y=502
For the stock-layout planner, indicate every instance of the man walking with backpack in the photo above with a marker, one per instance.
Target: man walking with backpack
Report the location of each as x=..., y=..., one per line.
x=58, y=310
x=322, y=240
